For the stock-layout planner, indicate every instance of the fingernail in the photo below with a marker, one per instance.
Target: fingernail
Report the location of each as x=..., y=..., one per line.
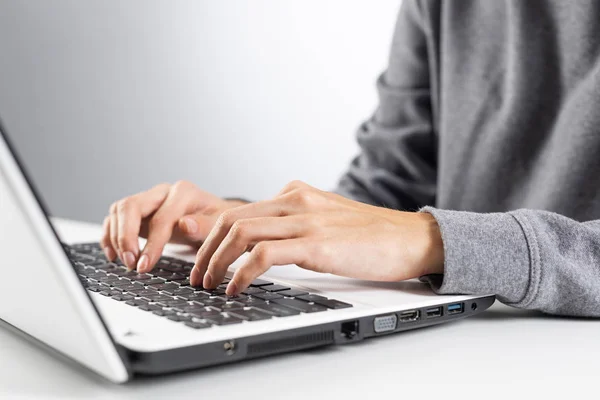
x=231, y=289
x=142, y=264
x=191, y=226
x=129, y=260
x=109, y=253
x=207, y=280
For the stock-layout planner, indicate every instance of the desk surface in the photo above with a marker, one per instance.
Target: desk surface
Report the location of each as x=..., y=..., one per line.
x=499, y=352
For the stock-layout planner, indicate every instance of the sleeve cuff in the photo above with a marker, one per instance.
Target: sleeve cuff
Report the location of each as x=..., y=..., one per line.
x=483, y=254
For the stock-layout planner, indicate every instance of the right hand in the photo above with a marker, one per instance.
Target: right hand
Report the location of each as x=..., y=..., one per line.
x=178, y=213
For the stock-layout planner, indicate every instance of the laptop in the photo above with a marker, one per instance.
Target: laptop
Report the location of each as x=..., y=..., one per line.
x=121, y=324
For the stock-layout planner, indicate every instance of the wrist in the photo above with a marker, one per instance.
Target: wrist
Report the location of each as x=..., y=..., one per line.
x=433, y=246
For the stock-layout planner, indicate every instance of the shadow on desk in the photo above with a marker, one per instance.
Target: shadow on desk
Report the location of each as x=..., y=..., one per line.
x=502, y=312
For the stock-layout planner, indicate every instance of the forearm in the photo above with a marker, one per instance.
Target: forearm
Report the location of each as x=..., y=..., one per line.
x=529, y=259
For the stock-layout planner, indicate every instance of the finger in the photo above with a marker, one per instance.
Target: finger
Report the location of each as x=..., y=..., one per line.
x=161, y=226
x=194, y=228
x=130, y=212
x=245, y=233
x=114, y=234
x=222, y=227
x=105, y=243
x=266, y=254
x=292, y=186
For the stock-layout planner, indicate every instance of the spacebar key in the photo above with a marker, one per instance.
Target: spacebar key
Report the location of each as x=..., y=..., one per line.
x=299, y=305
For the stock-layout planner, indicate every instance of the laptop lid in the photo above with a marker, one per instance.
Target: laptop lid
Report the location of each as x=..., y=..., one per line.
x=41, y=295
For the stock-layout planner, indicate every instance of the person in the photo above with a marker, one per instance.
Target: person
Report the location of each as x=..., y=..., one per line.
x=479, y=171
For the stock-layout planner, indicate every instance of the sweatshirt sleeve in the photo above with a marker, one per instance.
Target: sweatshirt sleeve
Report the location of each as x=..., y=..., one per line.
x=396, y=167
x=528, y=258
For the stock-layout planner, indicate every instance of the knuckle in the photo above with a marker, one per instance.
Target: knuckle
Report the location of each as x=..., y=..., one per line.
x=124, y=205
x=261, y=253
x=304, y=197
x=122, y=242
x=180, y=186
x=295, y=184
x=225, y=219
x=239, y=229
x=113, y=207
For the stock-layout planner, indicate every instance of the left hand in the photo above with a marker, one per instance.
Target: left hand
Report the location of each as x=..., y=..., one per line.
x=322, y=232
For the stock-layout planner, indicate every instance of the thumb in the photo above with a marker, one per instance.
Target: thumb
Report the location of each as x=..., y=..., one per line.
x=196, y=227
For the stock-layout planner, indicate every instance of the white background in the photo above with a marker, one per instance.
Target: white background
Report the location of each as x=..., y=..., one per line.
x=106, y=98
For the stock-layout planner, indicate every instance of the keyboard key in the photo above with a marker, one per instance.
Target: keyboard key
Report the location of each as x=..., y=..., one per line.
x=150, y=307
x=157, y=298
x=252, y=301
x=109, y=267
x=200, y=308
x=249, y=314
x=197, y=325
x=173, y=268
x=109, y=293
x=154, y=281
x=215, y=292
x=179, y=317
x=140, y=277
x=122, y=297
x=163, y=313
x=145, y=292
x=253, y=290
x=275, y=288
x=184, y=282
x=120, y=282
x=122, y=272
x=108, y=278
x=223, y=319
x=175, y=277
x=260, y=283
x=204, y=313
x=213, y=301
x=177, y=303
x=161, y=273
x=231, y=305
x=311, y=298
x=238, y=297
x=333, y=304
x=95, y=289
x=300, y=305
x=183, y=291
x=165, y=287
x=195, y=296
x=132, y=288
x=277, y=309
x=268, y=296
x=292, y=293
x=136, y=302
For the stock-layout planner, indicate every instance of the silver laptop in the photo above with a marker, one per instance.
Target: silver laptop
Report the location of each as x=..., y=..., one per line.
x=122, y=324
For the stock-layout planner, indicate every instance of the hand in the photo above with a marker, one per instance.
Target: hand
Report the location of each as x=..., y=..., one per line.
x=322, y=232
x=179, y=213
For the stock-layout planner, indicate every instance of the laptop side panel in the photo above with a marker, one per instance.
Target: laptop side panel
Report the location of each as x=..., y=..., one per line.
x=60, y=314
x=331, y=333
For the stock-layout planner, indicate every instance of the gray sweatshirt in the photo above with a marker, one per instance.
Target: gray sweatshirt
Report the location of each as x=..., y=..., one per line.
x=489, y=119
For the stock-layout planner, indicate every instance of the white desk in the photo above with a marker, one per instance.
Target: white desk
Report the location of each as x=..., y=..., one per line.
x=501, y=351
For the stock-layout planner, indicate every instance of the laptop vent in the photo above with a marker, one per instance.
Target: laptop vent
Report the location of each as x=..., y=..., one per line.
x=291, y=343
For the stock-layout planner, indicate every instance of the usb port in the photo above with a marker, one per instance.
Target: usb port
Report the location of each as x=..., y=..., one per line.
x=408, y=316
x=456, y=308
x=433, y=312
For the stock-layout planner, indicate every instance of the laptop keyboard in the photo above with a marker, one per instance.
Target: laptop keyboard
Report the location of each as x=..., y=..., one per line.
x=166, y=292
